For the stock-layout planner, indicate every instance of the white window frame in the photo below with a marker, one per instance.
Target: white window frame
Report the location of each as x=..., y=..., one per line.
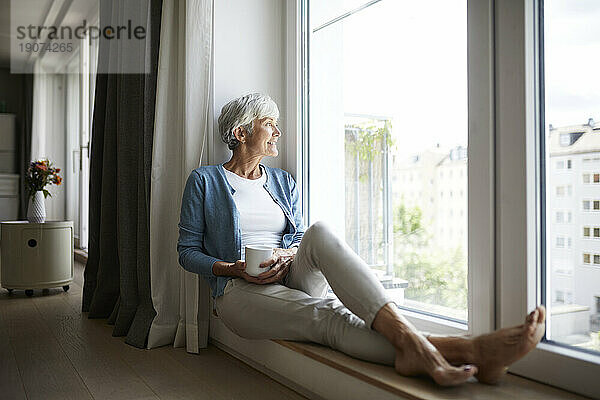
x=481, y=189
x=517, y=123
x=502, y=105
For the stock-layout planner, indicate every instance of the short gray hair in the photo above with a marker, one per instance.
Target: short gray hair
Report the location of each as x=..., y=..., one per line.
x=242, y=112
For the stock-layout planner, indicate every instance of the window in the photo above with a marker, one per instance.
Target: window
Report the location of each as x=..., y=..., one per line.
x=586, y=178
x=366, y=102
x=593, y=205
x=569, y=164
x=596, y=259
x=560, y=217
x=560, y=165
x=539, y=53
x=559, y=296
x=574, y=129
x=522, y=205
x=597, y=232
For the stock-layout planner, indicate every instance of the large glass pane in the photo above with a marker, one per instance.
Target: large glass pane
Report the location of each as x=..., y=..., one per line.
x=388, y=142
x=572, y=155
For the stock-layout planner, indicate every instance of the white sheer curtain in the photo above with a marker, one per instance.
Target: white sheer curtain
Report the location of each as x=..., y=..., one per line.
x=48, y=130
x=181, y=300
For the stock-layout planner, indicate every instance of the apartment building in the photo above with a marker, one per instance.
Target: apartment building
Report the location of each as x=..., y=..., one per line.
x=573, y=221
x=436, y=182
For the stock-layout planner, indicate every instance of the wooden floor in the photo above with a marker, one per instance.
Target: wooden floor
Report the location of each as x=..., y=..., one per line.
x=50, y=350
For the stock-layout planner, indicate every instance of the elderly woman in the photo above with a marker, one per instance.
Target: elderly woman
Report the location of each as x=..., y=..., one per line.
x=243, y=202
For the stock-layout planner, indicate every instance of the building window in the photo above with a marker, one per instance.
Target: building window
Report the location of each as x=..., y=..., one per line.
x=596, y=259
x=560, y=242
x=569, y=164
x=560, y=217
x=596, y=205
x=586, y=178
x=560, y=165
x=596, y=178
x=586, y=231
x=586, y=205
x=597, y=232
x=587, y=258
x=559, y=296
x=560, y=191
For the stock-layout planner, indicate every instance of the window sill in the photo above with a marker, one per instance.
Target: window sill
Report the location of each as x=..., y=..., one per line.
x=310, y=369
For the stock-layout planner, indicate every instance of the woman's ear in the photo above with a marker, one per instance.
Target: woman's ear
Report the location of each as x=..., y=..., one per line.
x=240, y=134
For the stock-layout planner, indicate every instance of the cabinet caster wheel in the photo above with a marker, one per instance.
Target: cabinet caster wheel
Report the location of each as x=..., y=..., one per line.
x=29, y=292
x=66, y=288
x=10, y=291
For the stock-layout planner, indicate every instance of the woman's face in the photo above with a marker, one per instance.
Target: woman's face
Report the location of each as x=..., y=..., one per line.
x=263, y=141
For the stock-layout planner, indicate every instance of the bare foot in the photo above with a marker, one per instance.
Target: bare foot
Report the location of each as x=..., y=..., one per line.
x=416, y=356
x=495, y=351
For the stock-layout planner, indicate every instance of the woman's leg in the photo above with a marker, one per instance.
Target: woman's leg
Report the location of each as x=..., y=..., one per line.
x=324, y=257
x=277, y=312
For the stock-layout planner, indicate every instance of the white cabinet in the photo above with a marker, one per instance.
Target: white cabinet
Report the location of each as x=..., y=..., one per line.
x=36, y=256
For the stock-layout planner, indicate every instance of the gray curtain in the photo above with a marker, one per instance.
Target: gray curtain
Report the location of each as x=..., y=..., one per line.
x=117, y=274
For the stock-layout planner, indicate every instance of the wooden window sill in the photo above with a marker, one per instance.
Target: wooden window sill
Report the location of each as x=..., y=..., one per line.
x=384, y=377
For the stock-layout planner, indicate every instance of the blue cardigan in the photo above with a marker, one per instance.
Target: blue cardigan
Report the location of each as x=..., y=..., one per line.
x=209, y=228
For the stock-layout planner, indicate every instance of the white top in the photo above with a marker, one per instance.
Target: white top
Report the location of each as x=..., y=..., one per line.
x=261, y=219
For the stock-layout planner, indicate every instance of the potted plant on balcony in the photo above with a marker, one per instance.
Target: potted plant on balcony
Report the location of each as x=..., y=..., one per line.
x=40, y=174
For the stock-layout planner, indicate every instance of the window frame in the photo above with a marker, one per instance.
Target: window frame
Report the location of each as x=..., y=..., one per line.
x=520, y=77
x=481, y=188
x=503, y=94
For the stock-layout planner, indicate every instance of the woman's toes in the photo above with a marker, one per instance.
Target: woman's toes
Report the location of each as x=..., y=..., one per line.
x=453, y=376
x=541, y=314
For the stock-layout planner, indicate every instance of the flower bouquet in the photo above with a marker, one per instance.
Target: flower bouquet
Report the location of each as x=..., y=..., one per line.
x=40, y=174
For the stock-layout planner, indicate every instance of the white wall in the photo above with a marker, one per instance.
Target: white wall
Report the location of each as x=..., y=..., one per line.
x=249, y=56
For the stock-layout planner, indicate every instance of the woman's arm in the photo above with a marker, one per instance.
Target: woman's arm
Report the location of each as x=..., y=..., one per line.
x=191, y=230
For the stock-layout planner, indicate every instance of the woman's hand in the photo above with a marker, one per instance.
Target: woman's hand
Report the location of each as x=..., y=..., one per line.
x=280, y=264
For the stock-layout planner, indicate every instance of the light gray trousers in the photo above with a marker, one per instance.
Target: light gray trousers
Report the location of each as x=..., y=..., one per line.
x=300, y=310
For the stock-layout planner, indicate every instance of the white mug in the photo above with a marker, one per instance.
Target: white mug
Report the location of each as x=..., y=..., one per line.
x=256, y=255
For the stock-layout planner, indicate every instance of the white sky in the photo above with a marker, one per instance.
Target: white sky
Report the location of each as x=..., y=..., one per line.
x=572, y=62
x=408, y=60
